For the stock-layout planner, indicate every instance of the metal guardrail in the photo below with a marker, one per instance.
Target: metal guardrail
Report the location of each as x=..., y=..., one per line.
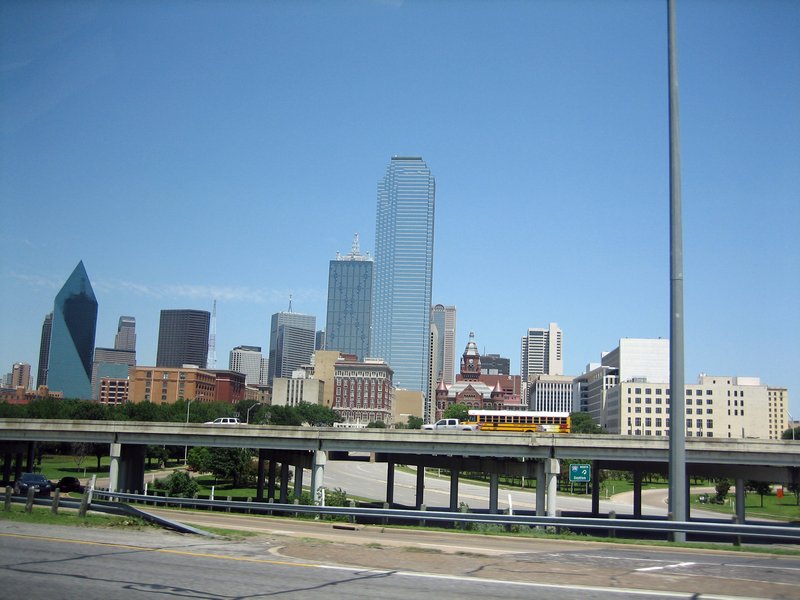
x=735, y=530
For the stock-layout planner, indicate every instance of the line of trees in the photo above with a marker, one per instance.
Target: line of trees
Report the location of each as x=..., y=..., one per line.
x=181, y=411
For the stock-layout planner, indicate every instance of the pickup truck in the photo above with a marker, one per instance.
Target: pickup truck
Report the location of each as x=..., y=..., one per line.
x=442, y=424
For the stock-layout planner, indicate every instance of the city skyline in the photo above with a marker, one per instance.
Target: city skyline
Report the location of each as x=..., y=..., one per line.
x=226, y=161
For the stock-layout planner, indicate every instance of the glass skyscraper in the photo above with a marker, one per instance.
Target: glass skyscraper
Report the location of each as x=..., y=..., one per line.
x=404, y=270
x=69, y=368
x=347, y=328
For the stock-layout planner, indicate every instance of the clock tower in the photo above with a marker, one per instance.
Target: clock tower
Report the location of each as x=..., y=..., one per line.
x=471, y=361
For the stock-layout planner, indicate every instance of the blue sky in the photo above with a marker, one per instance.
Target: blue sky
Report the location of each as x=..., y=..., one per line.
x=192, y=151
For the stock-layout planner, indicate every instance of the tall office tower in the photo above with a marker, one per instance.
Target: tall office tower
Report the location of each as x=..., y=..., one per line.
x=542, y=353
x=250, y=361
x=21, y=376
x=291, y=343
x=445, y=319
x=348, y=324
x=319, y=340
x=183, y=338
x=72, y=339
x=44, y=350
x=404, y=271
x=126, y=334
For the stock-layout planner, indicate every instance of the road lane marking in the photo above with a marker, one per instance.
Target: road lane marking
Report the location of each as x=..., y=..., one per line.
x=370, y=571
x=661, y=568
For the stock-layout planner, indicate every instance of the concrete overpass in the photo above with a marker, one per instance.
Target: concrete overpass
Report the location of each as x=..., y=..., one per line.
x=516, y=454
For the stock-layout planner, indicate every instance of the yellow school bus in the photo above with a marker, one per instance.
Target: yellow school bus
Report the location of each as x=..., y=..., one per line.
x=520, y=420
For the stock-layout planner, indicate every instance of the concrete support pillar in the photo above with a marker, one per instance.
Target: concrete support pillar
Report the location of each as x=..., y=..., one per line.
x=262, y=457
x=552, y=469
x=18, y=466
x=637, y=494
x=271, y=474
x=298, y=481
x=740, y=501
x=390, y=482
x=541, y=488
x=115, y=452
x=131, y=468
x=596, y=488
x=284, y=482
x=7, y=468
x=318, y=474
x=454, y=490
x=420, y=486
x=494, y=486
x=30, y=456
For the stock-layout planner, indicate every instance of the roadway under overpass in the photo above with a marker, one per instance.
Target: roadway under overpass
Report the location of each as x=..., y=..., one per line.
x=519, y=454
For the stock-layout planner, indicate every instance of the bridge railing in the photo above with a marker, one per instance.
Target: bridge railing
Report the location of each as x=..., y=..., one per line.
x=737, y=531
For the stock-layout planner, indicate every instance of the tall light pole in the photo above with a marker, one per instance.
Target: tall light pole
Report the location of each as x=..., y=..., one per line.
x=677, y=412
x=186, y=448
x=247, y=418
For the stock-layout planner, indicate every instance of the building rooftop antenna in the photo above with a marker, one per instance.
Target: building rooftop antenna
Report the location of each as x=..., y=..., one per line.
x=290, y=303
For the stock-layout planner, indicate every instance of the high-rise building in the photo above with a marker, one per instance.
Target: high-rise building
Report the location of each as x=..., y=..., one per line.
x=291, y=343
x=494, y=364
x=20, y=376
x=404, y=271
x=126, y=334
x=183, y=338
x=44, y=350
x=348, y=324
x=72, y=339
x=445, y=319
x=542, y=352
x=250, y=361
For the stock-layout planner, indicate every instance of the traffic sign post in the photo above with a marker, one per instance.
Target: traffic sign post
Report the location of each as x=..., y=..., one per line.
x=580, y=473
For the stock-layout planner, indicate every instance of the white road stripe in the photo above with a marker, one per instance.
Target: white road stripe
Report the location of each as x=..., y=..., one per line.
x=675, y=566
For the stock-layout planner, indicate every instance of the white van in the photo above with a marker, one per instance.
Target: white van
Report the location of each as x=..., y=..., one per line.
x=224, y=421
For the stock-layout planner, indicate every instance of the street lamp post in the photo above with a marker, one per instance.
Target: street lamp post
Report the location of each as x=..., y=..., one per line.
x=247, y=418
x=186, y=448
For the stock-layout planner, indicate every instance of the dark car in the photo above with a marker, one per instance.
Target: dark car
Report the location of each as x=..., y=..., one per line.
x=40, y=484
x=69, y=484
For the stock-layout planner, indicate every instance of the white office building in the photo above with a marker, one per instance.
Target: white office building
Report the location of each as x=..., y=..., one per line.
x=249, y=361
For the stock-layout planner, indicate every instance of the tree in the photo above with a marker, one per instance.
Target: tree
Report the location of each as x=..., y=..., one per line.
x=230, y=463
x=582, y=422
x=457, y=411
x=722, y=488
x=157, y=453
x=760, y=487
x=791, y=434
x=376, y=425
x=180, y=485
x=199, y=459
x=317, y=415
x=415, y=422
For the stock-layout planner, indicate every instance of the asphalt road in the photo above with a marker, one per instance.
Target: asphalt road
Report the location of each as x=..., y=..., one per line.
x=109, y=564
x=368, y=480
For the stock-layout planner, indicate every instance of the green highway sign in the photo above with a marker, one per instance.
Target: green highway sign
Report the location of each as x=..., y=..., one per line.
x=580, y=473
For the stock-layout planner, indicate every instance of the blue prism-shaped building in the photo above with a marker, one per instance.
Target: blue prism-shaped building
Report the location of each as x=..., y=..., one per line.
x=69, y=368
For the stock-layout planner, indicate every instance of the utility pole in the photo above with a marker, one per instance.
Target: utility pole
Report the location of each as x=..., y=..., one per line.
x=677, y=411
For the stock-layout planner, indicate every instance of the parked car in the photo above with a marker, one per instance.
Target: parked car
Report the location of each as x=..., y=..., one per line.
x=224, y=421
x=69, y=484
x=40, y=484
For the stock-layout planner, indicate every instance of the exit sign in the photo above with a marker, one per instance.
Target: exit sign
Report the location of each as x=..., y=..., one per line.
x=580, y=473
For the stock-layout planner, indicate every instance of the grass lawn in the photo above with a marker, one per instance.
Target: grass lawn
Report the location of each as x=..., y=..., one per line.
x=56, y=466
x=42, y=515
x=783, y=509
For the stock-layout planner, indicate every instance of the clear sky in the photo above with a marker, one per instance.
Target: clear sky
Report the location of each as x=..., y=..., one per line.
x=192, y=151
